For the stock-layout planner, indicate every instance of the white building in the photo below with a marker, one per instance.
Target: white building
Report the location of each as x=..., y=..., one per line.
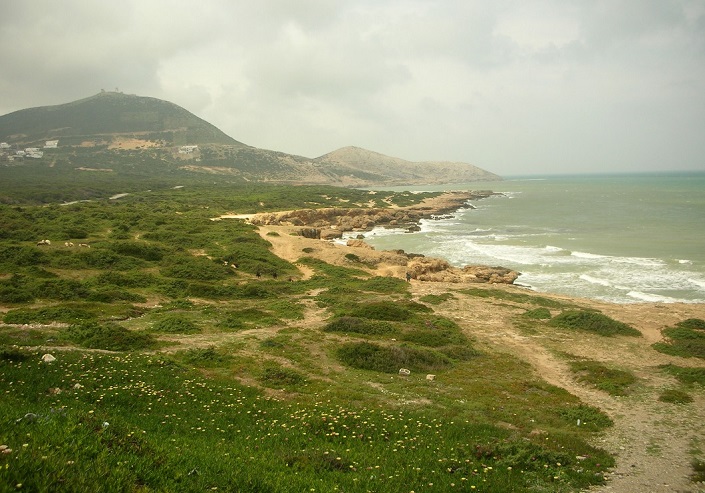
x=51, y=144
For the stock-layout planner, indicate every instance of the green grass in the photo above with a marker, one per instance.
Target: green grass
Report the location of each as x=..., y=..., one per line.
x=436, y=299
x=686, y=375
x=611, y=380
x=131, y=422
x=591, y=321
x=507, y=295
x=686, y=339
x=675, y=396
x=389, y=359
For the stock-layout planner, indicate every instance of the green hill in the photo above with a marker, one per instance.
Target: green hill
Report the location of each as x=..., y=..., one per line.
x=109, y=114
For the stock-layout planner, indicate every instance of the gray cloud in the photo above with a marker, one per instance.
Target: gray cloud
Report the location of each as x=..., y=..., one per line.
x=543, y=86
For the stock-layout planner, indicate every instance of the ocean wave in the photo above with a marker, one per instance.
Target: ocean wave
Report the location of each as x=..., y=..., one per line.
x=595, y=280
x=652, y=298
x=589, y=255
x=698, y=282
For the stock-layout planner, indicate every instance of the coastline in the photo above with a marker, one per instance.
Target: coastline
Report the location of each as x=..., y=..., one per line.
x=331, y=223
x=652, y=454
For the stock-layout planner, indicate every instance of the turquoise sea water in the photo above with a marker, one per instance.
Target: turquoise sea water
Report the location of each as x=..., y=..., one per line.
x=621, y=238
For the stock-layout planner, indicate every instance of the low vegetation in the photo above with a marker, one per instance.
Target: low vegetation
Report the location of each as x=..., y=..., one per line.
x=686, y=339
x=611, y=380
x=591, y=321
x=179, y=368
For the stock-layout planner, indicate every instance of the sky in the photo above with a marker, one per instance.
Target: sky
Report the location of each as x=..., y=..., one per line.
x=516, y=87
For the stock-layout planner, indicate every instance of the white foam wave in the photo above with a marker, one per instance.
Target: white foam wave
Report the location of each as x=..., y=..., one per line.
x=552, y=248
x=650, y=297
x=595, y=280
x=588, y=255
x=698, y=282
x=684, y=261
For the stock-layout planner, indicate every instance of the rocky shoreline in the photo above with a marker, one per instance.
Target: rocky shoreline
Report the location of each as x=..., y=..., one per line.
x=331, y=223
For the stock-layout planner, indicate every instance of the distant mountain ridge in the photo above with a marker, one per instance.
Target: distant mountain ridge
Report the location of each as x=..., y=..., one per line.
x=117, y=132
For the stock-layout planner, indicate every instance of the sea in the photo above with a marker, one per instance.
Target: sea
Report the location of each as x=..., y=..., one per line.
x=619, y=238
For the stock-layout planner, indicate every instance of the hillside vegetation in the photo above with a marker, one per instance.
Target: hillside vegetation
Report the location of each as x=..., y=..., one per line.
x=188, y=357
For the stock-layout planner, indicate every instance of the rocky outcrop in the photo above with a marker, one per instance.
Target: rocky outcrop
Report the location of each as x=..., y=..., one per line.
x=438, y=270
x=342, y=219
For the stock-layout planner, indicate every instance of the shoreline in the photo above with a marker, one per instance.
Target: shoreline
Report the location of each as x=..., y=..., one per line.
x=329, y=224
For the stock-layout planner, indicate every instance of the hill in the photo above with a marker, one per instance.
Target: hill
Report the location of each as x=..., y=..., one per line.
x=110, y=115
x=393, y=169
x=133, y=137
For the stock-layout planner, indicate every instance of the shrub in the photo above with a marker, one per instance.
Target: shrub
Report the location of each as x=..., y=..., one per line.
x=590, y=417
x=14, y=354
x=686, y=376
x=60, y=289
x=434, y=337
x=357, y=325
x=610, y=380
x=204, y=357
x=175, y=324
x=279, y=377
x=685, y=340
x=352, y=257
x=110, y=337
x=194, y=268
x=125, y=280
x=138, y=249
x=592, y=322
x=66, y=314
x=383, y=310
x=460, y=353
x=21, y=256
x=675, y=396
x=379, y=284
x=436, y=299
x=388, y=359
x=11, y=294
x=538, y=313
x=693, y=323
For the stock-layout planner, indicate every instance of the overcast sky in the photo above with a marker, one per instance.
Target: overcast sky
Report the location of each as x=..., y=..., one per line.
x=512, y=86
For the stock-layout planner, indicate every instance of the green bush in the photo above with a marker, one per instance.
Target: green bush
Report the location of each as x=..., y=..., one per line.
x=383, y=310
x=590, y=417
x=357, y=325
x=279, y=377
x=389, y=359
x=592, y=322
x=126, y=280
x=204, y=357
x=194, y=268
x=65, y=314
x=138, y=249
x=436, y=299
x=611, y=380
x=434, y=337
x=14, y=354
x=21, y=256
x=686, y=339
x=686, y=375
x=175, y=324
x=675, y=396
x=12, y=295
x=352, y=257
x=538, y=313
x=110, y=337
